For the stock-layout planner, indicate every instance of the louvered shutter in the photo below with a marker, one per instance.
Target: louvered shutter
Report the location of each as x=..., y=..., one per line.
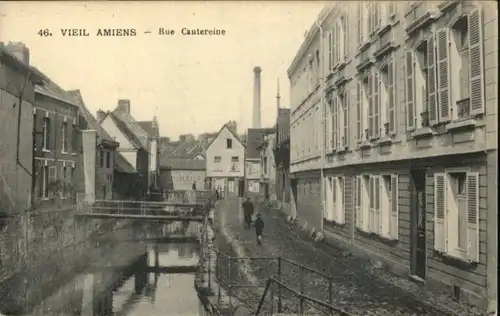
x=371, y=83
x=357, y=203
x=365, y=199
x=334, y=122
x=391, y=97
x=345, y=132
x=359, y=24
x=39, y=176
x=69, y=136
x=440, y=216
x=443, y=74
x=330, y=50
x=359, y=113
x=371, y=209
x=377, y=104
x=377, y=212
x=431, y=83
x=394, y=231
x=342, y=199
x=476, y=61
x=347, y=42
x=473, y=216
x=39, y=117
x=410, y=88
x=334, y=199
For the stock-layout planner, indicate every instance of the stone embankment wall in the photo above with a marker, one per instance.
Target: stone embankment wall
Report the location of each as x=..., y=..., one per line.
x=40, y=251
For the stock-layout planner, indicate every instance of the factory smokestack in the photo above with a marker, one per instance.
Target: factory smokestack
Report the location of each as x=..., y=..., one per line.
x=256, y=98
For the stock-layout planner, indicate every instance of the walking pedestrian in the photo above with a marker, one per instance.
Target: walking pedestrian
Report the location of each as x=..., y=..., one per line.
x=248, y=212
x=259, y=228
x=194, y=186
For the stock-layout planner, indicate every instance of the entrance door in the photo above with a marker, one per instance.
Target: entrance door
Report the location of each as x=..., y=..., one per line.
x=293, y=184
x=417, y=222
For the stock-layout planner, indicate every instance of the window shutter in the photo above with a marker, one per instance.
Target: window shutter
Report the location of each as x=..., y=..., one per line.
x=359, y=24
x=440, y=240
x=330, y=50
x=443, y=76
x=346, y=120
x=54, y=124
x=62, y=174
x=52, y=179
x=410, y=100
x=377, y=104
x=476, y=62
x=391, y=94
x=342, y=197
x=359, y=113
x=371, y=210
x=370, y=105
x=334, y=122
x=346, y=36
x=334, y=199
x=473, y=216
x=357, y=202
x=394, y=231
x=365, y=199
x=39, y=116
x=431, y=83
x=377, y=212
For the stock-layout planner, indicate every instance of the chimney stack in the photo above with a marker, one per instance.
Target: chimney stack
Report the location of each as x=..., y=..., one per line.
x=19, y=50
x=256, y=98
x=100, y=115
x=124, y=105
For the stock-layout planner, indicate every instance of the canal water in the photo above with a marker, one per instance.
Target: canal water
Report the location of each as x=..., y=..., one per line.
x=132, y=278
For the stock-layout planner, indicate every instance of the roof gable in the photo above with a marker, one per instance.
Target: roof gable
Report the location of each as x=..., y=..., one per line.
x=132, y=138
x=122, y=165
x=140, y=134
x=148, y=127
x=220, y=131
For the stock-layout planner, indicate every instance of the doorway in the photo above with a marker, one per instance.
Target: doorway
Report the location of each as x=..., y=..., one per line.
x=294, y=207
x=418, y=225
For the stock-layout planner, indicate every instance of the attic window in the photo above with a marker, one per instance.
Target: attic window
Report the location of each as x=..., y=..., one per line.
x=229, y=143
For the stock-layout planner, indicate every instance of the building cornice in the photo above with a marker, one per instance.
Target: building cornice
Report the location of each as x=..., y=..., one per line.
x=313, y=31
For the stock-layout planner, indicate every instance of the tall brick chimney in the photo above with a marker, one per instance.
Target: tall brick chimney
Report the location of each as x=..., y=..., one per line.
x=100, y=115
x=124, y=105
x=19, y=50
x=256, y=97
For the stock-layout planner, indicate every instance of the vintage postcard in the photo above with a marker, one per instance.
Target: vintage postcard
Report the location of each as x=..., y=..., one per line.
x=248, y=158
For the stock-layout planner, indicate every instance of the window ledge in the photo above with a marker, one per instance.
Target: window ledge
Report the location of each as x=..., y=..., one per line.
x=456, y=260
x=341, y=81
x=341, y=151
x=364, y=64
x=364, y=45
x=383, y=29
x=341, y=65
x=461, y=124
x=45, y=199
x=420, y=22
x=64, y=152
x=447, y=5
x=333, y=223
x=365, y=144
x=422, y=132
x=73, y=154
x=384, y=140
x=45, y=150
x=384, y=50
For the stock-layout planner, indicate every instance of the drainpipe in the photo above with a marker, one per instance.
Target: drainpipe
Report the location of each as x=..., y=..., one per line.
x=321, y=137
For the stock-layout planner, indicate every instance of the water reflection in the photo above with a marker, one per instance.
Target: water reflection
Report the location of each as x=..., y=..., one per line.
x=147, y=285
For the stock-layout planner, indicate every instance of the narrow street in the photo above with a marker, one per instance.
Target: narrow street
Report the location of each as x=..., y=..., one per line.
x=359, y=287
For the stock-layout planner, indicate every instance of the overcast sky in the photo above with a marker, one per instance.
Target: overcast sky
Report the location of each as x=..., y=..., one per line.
x=193, y=84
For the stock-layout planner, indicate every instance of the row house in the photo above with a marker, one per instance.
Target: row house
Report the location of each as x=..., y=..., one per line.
x=224, y=159
x=133, y=148
x=408, y=172
x=181, y=174
x=57, y=146
x=282, y=161
x=98, y=159
x=255, y=138
x=268, y=168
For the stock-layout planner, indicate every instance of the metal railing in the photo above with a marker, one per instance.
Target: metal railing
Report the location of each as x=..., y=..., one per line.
x=225, y=278
x=318, y=305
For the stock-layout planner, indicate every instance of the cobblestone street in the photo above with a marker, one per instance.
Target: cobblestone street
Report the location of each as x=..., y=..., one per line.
x=359, y=286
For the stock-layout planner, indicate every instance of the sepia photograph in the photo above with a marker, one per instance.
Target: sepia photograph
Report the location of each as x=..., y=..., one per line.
x=241, y=158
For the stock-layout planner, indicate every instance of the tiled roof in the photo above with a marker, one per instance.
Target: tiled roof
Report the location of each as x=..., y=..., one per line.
x=122, y=165
x=255, y=138
x=51, y=89
x=133, y=127
x=218, y=133
x=76, y=95
x=182, y=164
x=147, y=126
x=124, y=128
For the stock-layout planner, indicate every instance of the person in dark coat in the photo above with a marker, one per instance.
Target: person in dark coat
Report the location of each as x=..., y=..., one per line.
x=194, y=186
x=259, y=228
x=248, y=212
